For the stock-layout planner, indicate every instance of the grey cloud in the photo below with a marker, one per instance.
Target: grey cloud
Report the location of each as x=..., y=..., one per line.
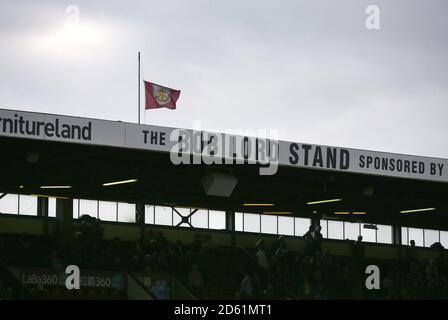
x=308, y=68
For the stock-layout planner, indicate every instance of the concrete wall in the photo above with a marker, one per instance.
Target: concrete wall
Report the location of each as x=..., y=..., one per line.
x=19, y=224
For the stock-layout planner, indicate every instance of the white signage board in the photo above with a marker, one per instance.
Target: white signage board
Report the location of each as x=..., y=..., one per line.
x=221, y=148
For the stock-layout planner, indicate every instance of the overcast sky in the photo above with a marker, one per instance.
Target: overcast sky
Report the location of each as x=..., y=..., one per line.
x=310, y=69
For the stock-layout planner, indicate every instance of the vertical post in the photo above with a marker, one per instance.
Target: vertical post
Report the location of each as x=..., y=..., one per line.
x=230, y=220
x=42, y=211
x=64, y=217
x=396, y=235
x=396, y=240
x=140, y=217
x=139, y=87
x=230, y=225
x=315, y=222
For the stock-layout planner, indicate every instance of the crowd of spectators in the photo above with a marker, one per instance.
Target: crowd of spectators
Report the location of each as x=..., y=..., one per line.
x=316, y=274
x=415, y=278
x=267, y=271
x=152, y=253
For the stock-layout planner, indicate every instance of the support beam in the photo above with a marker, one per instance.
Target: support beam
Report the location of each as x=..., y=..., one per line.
x=140, y=217
x=396, y=239
x=64, y=217
x=140, y=213
x=42, y=206
x=230, y=226
x=315, y=221
x=396, y=235
x=230, y=220
x=42, y=211
x=184, y=219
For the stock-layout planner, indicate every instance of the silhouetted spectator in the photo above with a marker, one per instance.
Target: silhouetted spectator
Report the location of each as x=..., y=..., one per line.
x=358, y=250
x=196, y=281
x=308, y=238
x=317, y=239
x=247, y=287
x=262, y=258
x=437, y=246
x=411, y=252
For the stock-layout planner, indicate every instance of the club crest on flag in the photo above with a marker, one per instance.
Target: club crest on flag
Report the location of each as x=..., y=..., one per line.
x=160, y=97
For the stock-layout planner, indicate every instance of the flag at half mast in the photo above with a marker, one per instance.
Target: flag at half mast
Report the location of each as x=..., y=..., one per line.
x=160, y=97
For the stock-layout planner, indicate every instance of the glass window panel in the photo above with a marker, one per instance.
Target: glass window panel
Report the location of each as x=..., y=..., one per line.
x=431, y=237
x=238, y=221
x=89, y=207
x=76, y=213
x=286, y=226
x=301, y=226
x=28, y=205
x=199, y=219
x=335, y=230
x=163, y=216
x=384, y=234
x=404, y=236
x=149, y=214
x=52, y=207
x=368, y=235
x=351, y=230
x=268, y=224
x=9, y=204
x=217, y=219
x=108, y=211
x=444, y=238
x=126, y=212
x=416, y=235
x=251, y=222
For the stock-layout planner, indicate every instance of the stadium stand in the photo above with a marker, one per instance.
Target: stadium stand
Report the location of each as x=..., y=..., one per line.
x=141, y=227
x=223, y=272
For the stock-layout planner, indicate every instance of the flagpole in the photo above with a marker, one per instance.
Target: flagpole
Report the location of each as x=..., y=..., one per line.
x=139, y=87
